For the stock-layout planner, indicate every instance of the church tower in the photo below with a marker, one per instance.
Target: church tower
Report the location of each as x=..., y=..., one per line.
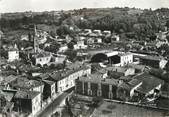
x=35, y=40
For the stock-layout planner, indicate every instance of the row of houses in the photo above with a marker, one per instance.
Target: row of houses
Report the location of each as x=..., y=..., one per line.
x=97, y=36
x=39, y=59
x=65, y=79
x=46, y=59
x=87, y=38
x=29, y=94
x=82, y=43
x=97, y=33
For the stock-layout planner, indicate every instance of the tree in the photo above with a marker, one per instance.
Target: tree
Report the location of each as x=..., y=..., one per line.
x=3, y=53
x=71, y=54
x=64, y=30
x=153, y=37
x=23, y=43
x=70, y=45
x=53, y=48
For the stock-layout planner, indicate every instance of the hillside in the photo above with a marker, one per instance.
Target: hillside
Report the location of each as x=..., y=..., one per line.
x=129, y=22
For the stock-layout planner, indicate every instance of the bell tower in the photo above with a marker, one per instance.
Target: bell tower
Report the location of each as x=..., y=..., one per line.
x=35, y=40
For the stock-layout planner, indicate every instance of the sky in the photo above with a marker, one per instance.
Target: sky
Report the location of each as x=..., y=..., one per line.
x=48, y=5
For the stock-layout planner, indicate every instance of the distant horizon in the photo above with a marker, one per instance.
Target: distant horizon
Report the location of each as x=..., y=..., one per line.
x=13, y=6
x=82, y=8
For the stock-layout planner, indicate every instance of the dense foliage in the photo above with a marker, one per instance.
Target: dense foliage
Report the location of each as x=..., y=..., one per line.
x=135, y=23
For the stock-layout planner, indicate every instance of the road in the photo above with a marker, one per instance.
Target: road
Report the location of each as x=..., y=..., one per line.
x=48, y=110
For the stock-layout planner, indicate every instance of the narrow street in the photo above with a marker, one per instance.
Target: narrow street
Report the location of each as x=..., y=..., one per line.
x=50, y=108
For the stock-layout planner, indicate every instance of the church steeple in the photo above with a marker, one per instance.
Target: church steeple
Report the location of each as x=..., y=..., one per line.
x=35, y=40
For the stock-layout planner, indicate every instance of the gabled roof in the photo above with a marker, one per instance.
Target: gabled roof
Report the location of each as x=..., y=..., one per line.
x=134, y=82
x=44, y=76
x=26, y=94
x=42, y=54
x=13, y=49
x=98, y=78
x=124, y=54
x=9, y=79
x=139, y=67
x=149, y=82
x=153, y=58
x=25, y=84
x=49, y=82
x=59, y=75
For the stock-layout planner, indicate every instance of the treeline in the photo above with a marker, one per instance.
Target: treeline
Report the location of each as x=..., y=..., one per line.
x=142, y=25
x=8, y=24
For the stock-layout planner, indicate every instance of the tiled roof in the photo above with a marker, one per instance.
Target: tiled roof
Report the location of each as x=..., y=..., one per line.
x=26, y=94
x=115, y=75
x=118, y=69
x=24, y=83
x=126, y=78
x=102, y=71
x=149, y=82
x=9, y=79
x=42, y=54
x=44, y=76
x=148, y=57
x=97, y=78
x=12, y=49
x=49, y=82
x=124, y=54
x=134, y=82
x=64, y=73
x=140, y=67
